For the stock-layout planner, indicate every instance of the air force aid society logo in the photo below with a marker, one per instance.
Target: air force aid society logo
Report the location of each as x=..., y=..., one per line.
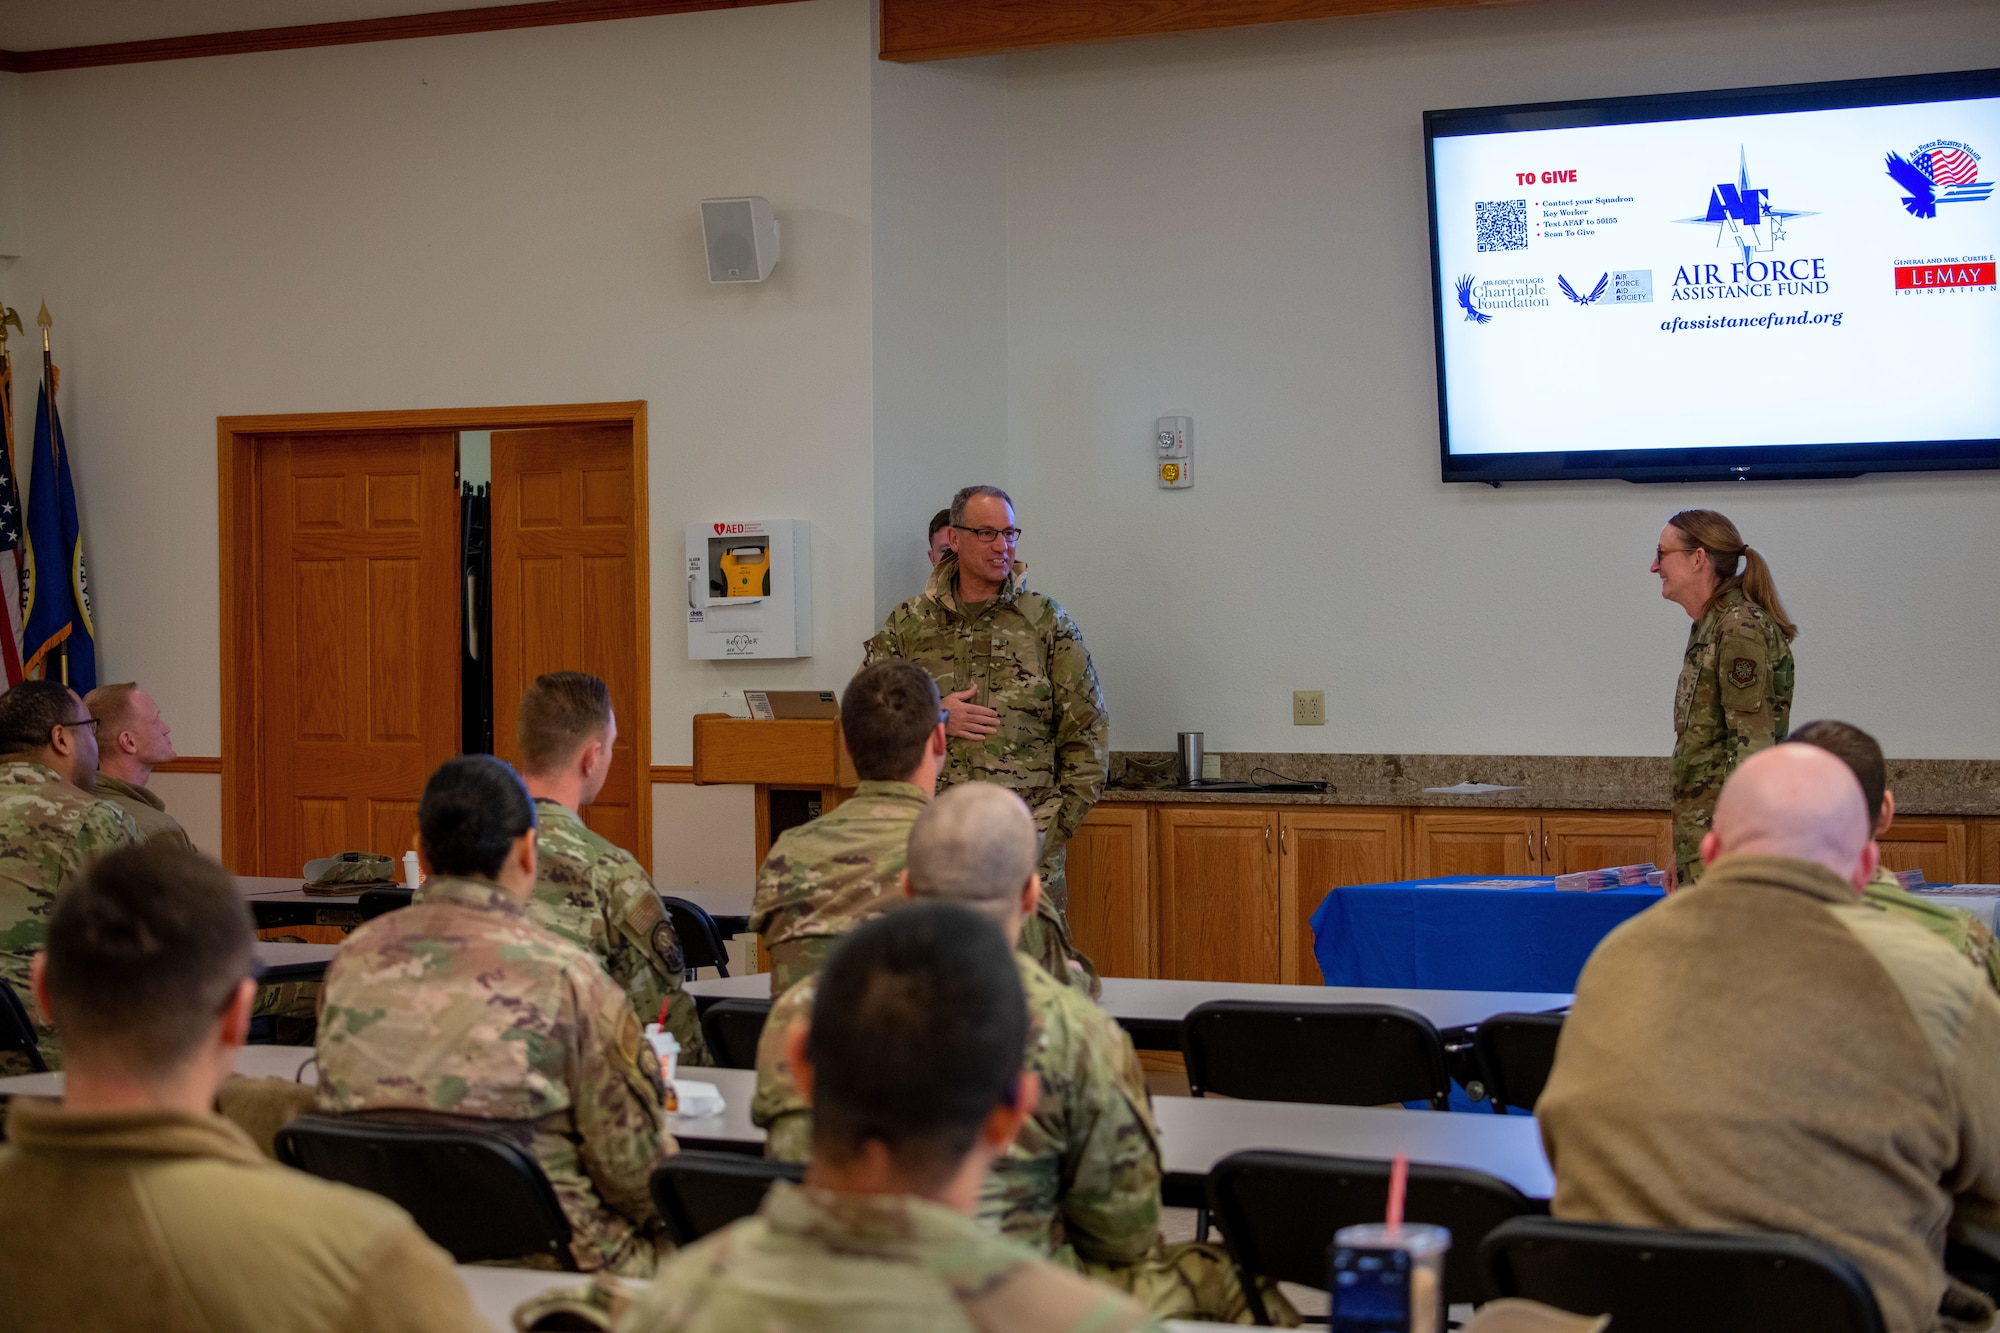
x=1943, y=171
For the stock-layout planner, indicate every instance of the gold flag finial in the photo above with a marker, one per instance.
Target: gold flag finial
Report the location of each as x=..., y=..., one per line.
x=8, y=315
x=44, y=320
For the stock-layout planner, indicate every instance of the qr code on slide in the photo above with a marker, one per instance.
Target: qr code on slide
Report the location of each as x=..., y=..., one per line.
x=1501, y=224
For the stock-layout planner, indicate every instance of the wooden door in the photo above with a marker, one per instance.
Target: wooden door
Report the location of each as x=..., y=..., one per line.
x=1218, y=894
x=357, y=640
x=1448, y=842
x=1322, y=850
x=1934, y=846
x=1983, y=850
x=1111, y=890
x=1592, y=842
x=569, y=594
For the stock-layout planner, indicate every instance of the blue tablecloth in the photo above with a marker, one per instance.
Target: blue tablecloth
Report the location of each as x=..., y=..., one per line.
x=1436, y=934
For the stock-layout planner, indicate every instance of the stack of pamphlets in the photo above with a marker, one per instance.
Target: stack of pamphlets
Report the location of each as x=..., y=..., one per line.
x=1909, y=881
x=1613, y=877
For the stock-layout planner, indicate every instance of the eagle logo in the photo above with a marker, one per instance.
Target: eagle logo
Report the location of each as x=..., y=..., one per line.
x=1941, y=172
x=1472, y=311
x=1596, y=293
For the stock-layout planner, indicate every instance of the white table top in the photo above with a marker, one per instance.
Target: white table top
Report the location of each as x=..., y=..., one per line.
x=250, y=886
x=1169, y=1001
x=496, y=1292
x=1979, y=905
x=292, y=1062
x=737, y=1087
x=272, y=953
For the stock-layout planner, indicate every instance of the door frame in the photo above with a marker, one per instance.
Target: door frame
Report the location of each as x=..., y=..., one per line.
x=237, y=439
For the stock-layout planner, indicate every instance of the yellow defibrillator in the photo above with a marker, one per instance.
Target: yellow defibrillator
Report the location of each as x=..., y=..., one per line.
x=746, y=571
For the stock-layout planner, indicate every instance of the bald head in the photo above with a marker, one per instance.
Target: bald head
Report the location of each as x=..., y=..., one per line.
x=976, y=846
x=1797, y=801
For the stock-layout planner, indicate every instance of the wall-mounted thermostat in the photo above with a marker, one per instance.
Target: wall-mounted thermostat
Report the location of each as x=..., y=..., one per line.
x=749, y=589
x=1173, y=439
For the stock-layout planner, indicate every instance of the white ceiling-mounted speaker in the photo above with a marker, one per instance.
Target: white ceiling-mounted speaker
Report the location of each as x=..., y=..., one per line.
x=742, y=238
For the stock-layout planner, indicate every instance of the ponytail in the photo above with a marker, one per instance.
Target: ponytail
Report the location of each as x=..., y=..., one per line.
x=1725, y=546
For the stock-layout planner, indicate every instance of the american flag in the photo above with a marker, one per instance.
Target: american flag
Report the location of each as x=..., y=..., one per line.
x=10, y=532
x=1953, y=166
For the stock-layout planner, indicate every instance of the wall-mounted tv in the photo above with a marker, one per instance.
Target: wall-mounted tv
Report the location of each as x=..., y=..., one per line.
x=1765, y=282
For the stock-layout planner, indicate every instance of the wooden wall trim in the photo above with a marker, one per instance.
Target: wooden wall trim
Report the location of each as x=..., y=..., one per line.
x=438, y=23
x=191, y=763
x=914, y=30
x=673, y=773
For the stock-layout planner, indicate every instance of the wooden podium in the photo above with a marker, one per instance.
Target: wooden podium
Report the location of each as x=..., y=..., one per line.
x=798, y=766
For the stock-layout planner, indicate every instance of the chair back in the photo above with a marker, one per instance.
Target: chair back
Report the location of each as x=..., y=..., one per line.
x=17, y=1030
x=1279, y=1211
x=377, y=902
x=1669, y=1281
x=701, y=940
x=1516, y=1053
x=1336, y=1054
x=732, y=1028
x=478, y=1195
x=699, y=1192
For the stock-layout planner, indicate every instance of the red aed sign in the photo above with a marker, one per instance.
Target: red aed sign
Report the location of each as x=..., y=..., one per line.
x=1910, y=277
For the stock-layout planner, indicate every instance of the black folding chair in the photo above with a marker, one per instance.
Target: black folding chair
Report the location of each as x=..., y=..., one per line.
x=17, y=1030
x=1516, y=1053
x=699, y=1192
x=1336, y=1054
x=732, y=1028
x=701, y=940
x=477, y=1194
x=1654, y=1281
x=377, y=902
x=1279, y=1210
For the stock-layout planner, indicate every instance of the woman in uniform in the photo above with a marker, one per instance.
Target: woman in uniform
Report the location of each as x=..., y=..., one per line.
x=1735, y=694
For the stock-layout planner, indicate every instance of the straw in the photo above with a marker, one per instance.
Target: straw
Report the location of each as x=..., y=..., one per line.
x=663, y=1012
x=1399, y=1180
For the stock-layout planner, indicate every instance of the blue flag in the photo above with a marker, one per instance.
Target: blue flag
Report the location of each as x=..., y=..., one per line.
x=57, y=598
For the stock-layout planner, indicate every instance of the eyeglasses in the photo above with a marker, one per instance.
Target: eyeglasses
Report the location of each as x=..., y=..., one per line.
x=1662, y=552
x=91, y=722
x=944, y=717
x=990, y=535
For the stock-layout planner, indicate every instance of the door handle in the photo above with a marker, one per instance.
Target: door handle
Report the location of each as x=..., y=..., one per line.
x=1545, y=847
x=1531, y=849
x=1284, y=832
x=1267, y=839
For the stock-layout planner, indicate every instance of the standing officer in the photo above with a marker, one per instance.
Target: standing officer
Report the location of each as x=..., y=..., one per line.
x=1735, y=693
x=1020, y=693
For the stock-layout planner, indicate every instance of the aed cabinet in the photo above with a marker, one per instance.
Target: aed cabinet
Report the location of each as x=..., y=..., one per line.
x=749, y=589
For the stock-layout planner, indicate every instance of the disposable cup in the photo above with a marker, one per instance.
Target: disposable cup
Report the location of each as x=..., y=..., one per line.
x=1386, y=1281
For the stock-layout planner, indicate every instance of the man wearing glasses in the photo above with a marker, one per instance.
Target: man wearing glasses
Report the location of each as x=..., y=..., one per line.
x=1023, y=706
x=49, y=826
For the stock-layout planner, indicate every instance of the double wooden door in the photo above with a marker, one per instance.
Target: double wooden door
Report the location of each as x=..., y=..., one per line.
x=350, y=655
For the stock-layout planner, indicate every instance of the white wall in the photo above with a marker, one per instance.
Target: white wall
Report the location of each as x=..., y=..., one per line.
x=1233, y=225
x=495, y=218
x=940, y=245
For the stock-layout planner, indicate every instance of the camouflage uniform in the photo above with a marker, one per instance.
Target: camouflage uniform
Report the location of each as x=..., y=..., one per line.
x=1954, y=925
x=596, y=896
x=459, y=1005
x=824, y=878
x=48, y=829
x=813, y=1261
x=1081, y=1184
x=1734, y=699
x=1027, y=660
x=148, y=811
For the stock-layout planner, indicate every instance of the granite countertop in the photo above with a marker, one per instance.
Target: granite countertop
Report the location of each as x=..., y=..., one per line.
x=1547, y=782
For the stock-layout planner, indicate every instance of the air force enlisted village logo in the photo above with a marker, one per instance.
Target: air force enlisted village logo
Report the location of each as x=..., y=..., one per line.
x=1943, y=171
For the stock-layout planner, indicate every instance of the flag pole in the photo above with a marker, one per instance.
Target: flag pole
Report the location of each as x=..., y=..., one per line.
x=10, y=615
x=49, y=381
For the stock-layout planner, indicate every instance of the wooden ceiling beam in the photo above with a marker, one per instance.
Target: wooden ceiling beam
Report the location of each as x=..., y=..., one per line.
x=916, y=30
x=438, y=23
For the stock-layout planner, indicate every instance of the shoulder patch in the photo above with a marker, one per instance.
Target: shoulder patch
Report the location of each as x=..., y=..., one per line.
x=1743, y=672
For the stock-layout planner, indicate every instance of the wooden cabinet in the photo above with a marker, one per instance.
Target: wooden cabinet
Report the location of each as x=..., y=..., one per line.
x=1319, y=851
x=1983, y=846
x=1452, y=842
x=1218, y=893
x=1110, y=873
x=1591, y=842
x=1934, y=846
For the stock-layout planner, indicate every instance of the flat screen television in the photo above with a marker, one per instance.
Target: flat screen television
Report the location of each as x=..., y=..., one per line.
x=1765, y=282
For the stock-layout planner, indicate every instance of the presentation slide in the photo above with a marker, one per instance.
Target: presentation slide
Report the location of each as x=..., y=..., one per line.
x=1806, y=278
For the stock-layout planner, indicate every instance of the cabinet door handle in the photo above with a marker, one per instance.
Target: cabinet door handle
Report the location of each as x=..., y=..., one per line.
x=1531, y=849
x=1267, y=839
x=1284, y=840
x=1545, y=846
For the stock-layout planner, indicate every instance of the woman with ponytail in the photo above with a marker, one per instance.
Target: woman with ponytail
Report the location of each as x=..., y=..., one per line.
x=1735, y=694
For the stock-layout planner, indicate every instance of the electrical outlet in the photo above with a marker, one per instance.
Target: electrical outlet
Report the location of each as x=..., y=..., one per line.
x=1308, y=708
